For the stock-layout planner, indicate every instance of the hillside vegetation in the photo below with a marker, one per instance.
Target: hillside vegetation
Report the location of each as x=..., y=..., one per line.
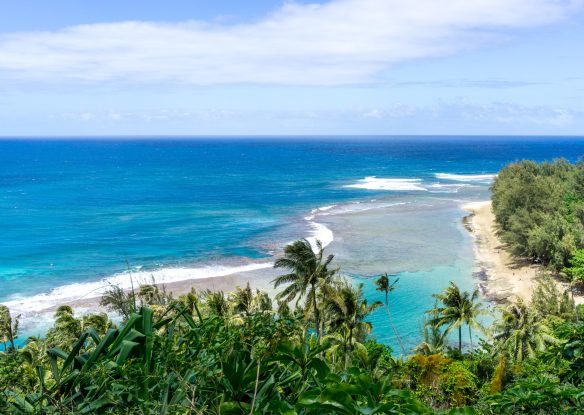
x=307, y=352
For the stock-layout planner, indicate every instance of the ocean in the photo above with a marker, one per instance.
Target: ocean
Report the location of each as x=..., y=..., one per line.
x=73, y=213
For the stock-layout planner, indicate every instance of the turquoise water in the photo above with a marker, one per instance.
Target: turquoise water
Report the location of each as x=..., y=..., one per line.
x=72, y=212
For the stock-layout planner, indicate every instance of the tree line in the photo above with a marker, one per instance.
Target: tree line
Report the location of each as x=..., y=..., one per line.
x=539, y=210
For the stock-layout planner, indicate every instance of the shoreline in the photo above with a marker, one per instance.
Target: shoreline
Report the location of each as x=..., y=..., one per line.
x=502, y=277
x=354, y=231
x=178, y=281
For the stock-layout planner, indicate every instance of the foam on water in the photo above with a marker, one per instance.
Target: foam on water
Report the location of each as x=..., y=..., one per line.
x=378, y=183
x=447, y=188
x=324, y=234
x=359, y=206
x=483, y=178
x=320, y=232
x=77, y=291
x=319, y=210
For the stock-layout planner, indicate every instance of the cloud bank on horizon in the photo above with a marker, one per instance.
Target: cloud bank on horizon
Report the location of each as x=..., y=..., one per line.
x=340, y=42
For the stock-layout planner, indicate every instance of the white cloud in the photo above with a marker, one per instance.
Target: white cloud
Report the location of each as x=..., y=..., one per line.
x=392, y=111
x=154, y=116
x=492, y=112
x=339, y=42
x=503, y=113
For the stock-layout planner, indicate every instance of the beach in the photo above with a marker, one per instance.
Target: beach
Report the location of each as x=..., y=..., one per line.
x=503, y=277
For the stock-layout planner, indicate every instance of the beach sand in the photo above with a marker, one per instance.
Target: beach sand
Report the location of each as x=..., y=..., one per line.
x=258, y=279
x=503, y=277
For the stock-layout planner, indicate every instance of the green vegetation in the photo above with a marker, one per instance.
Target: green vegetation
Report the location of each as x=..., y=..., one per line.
x=539, y=209
x=458, y=309
x=576, y=269
x=209, y=353
x=309, y=275
x=8, y=327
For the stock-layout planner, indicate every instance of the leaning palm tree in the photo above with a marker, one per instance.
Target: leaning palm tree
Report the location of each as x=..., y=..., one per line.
x=383, y=285
x=348, y=310
x=308, y=273
x=458, y=309
x=520, y=334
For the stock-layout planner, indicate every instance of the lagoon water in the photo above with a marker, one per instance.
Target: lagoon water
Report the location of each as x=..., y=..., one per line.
x=72, y=212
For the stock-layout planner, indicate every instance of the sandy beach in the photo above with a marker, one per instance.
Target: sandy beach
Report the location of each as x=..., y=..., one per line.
x=503, y=277
x=258, y=279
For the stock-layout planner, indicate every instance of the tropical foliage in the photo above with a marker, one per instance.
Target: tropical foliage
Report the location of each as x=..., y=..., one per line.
x=310, y=353
x=540, y=210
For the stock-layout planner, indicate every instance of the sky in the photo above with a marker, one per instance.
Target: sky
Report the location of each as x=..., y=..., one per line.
x=266, y=67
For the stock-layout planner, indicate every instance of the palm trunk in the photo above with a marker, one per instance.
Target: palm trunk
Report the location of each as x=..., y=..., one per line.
x=391, y=324
x=572, y=292
x=315, y=309
x=460, y=339
x=395, y=330
x=345, y=351
x=470, y=335
x=349, y=348
x=255, y=391
x=11, y=335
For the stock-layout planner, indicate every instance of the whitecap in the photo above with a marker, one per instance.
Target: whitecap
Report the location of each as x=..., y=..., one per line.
x=466, y=177
x=319, y=210
x=394, y=184
x=447, y=188
x=320, y=232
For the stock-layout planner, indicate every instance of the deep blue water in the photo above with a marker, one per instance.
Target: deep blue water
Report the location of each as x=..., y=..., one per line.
x=76, y=210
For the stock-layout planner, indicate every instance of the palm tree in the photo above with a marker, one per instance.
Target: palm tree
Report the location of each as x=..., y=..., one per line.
x=458, y=308
x=309, y=272
x=246, y=301
x=119, y=301
x=99, y=322
x=383, y=285
x=242, y=300
x=8, y=327
x=434, y=339
x=190, y=300
x=217, y=303
x=65, y=330
x=520, y=334
x=348, y=310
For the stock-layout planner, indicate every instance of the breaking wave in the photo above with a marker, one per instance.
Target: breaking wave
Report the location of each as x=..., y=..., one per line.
x=377, y=183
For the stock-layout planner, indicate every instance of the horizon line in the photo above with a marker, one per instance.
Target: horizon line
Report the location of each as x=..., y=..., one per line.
x=268, y=136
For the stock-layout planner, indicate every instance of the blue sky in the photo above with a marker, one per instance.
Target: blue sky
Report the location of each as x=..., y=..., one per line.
x=72, y=68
